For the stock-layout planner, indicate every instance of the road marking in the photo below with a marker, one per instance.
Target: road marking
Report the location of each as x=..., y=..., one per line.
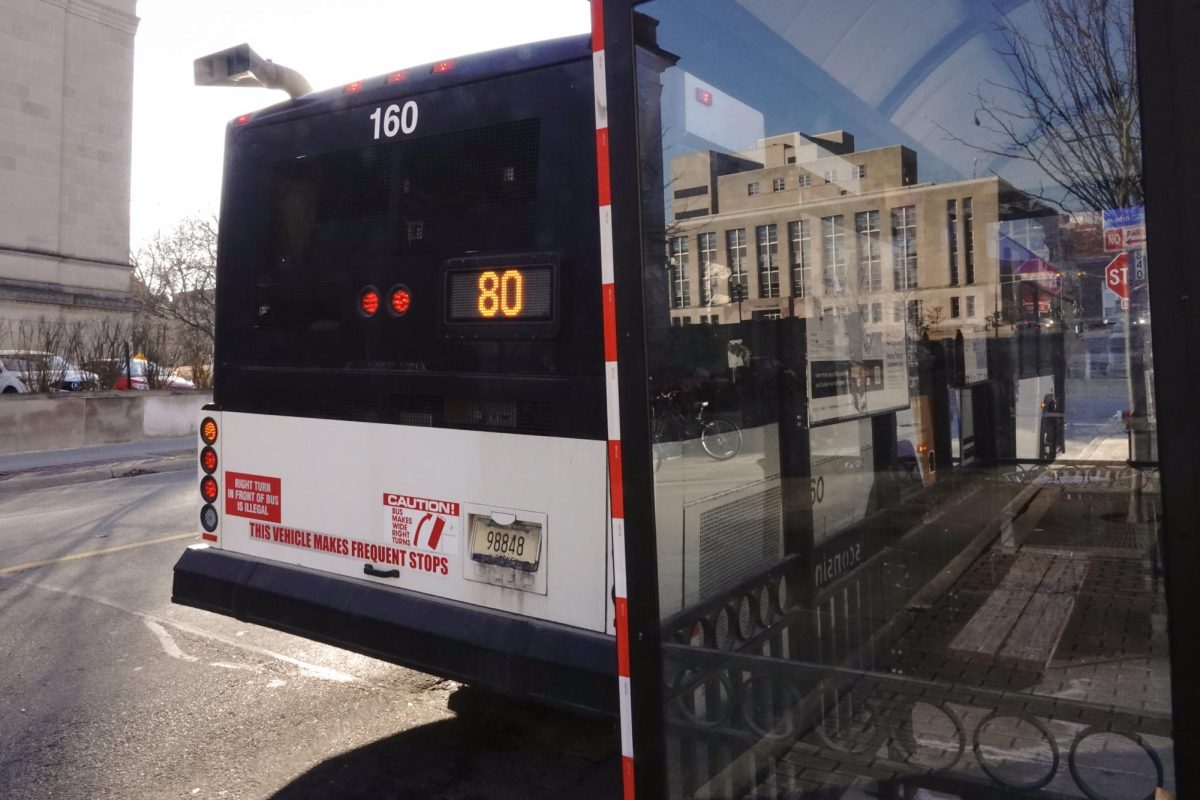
x=306, y=668
x=168, y=644
x=90, y=553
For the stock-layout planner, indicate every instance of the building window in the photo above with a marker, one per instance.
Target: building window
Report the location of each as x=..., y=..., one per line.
x=735, y=244
x=830, y=175
x=860, y=171
x=833, y=254
x=952, y=238
x=904, y=248
x=687, y=320
x=676, y=322
x=777, y=185
x=898, y=311
x=708, y=260
x=801, y=241
x=876, y=312
x=805, y=180
x=969, y=240
x=955, y=308
x=767, y=315
x=752, y=188
x=870, y=261
x=916, y=315
x=678, y=263
x=768, y=261
x=970, y=305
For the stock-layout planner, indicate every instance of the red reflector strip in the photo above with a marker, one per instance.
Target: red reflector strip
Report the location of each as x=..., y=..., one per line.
x=442, y=66
x=615, y=487
x=604, y=188
x=208, y=537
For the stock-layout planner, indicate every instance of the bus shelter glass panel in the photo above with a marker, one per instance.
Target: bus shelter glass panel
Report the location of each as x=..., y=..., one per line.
x=903, y=420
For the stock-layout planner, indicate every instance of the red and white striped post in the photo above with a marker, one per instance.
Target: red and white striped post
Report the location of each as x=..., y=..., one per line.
x=615, y=488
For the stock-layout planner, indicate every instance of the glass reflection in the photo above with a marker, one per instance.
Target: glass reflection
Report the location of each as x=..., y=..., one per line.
x=903, y=436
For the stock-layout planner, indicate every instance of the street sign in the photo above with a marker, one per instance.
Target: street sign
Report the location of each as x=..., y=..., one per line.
x=1124, y=228
x=1116, y=276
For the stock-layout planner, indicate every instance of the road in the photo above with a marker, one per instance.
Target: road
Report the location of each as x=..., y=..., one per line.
x=110, y=691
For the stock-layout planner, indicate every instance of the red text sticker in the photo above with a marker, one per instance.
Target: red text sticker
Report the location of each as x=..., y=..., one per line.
x=252, y=496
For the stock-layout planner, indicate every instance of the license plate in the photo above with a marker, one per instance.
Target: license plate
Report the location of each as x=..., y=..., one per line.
x=518, y=545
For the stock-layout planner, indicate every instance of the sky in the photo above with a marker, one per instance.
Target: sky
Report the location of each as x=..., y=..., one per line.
x=179, y=128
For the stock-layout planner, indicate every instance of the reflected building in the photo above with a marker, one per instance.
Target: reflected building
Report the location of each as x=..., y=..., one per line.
x=806, y=225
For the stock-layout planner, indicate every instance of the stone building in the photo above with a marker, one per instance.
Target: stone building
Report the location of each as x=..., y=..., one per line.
x=66, y=94
x=807, y=224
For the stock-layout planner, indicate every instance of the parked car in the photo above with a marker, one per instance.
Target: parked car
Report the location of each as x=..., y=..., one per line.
x=10, y=381
x=142, y=374
x=42, y=370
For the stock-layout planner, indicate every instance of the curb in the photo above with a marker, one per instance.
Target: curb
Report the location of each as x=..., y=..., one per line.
x=48, y=477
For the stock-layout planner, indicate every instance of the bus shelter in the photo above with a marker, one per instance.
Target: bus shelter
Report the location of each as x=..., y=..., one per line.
x=900, y=457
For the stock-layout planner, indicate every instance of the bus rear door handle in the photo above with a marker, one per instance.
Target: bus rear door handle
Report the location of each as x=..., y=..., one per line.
x=369, y=569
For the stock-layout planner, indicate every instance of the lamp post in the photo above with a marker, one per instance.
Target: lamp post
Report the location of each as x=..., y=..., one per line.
x=737, y=293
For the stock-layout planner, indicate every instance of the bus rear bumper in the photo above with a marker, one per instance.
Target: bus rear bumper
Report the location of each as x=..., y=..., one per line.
x=547, y=662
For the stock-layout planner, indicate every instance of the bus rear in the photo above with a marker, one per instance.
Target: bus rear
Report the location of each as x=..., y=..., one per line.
x=405, y=455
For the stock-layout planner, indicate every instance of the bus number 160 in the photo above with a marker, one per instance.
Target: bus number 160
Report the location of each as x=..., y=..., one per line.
x=395, y=119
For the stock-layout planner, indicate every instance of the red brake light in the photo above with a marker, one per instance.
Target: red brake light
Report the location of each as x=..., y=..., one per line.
x=703, y=96
x=396, y=77
x=353, y=88
x=208, y=460
x=442, y=66
x=400, y=300
x=368, y=301
x=209, y=489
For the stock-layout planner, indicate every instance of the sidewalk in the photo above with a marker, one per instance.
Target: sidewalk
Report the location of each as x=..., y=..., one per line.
x=38, y=470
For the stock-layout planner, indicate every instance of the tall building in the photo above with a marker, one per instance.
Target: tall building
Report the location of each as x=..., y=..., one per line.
x=66, y=98
x=806, y=224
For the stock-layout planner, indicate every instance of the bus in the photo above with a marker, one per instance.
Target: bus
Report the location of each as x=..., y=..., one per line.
x=405, y=455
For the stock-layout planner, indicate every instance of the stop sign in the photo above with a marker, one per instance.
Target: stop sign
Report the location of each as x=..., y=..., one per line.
x=1116, y=276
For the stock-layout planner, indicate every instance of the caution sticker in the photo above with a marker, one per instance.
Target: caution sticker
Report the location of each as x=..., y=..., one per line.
x=423, y=523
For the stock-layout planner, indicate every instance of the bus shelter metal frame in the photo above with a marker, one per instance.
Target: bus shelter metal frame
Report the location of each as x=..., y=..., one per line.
x=1168, y=61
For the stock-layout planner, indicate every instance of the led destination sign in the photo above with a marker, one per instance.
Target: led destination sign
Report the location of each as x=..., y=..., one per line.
x=500, y=294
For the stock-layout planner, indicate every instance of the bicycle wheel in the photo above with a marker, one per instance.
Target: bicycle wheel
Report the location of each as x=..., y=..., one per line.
x=721, y=439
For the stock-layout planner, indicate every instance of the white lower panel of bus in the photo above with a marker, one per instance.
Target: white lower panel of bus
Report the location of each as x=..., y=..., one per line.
x=510, y=522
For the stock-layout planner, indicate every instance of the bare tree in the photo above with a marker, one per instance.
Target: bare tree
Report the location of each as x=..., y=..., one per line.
x=175, y=280
x=177, y=273
x=1071, y=106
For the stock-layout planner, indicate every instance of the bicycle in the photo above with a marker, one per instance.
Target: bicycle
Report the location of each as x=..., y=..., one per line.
x=720, y=438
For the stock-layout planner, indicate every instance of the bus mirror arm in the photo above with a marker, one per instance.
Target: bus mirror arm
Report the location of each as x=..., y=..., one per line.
x=369, y=569
x=241, y=66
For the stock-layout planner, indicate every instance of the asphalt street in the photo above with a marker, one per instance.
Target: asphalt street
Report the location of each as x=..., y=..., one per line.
x=110, y=691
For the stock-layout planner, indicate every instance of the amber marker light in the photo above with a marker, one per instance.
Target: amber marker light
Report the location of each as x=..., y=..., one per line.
x=208, y=430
